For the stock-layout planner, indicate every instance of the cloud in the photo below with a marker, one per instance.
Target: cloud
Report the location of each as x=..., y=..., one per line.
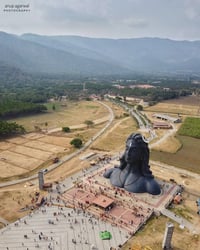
x=177, y=19
x=192, y=9
x=76, y=10
x=135, y=22
x=72, y=17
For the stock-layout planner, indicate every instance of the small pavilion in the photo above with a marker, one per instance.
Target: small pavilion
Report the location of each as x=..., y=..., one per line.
x=103, y=202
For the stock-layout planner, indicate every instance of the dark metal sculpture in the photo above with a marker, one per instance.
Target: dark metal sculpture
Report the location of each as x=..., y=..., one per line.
x=134, y=174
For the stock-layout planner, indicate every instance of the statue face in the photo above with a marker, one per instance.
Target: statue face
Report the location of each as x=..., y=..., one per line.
x=132, y=151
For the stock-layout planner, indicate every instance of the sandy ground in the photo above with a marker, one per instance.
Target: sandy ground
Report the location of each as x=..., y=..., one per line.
x=25, y=153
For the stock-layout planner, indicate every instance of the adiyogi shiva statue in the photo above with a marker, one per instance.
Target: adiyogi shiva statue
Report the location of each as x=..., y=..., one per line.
x=134, y=174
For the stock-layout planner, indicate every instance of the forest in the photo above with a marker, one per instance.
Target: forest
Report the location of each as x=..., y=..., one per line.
x=23, y=94
x=39, y=89
x=10, y=128
x=12, y=108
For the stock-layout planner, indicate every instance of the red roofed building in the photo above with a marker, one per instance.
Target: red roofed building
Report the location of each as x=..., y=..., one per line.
x=164, y=125
x=103, y=201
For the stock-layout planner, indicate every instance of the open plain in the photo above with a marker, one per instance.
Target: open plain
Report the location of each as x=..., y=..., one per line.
x=21, y=155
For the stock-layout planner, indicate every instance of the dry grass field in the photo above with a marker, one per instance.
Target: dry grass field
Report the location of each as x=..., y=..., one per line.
x=180, y=151
x=187, y=157
x=114, y=139
x=187, y=100
x=170, y=145
x=26, y=153
x=72, y=114
x=152, y=236
x=189, y=105
x=29, y=152
x=14, y=198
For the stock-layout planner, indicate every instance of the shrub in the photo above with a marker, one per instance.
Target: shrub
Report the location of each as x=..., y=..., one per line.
x=66, y=129
x=76, y=142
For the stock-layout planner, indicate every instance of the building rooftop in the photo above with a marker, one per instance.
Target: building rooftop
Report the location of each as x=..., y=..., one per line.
x=103, y=201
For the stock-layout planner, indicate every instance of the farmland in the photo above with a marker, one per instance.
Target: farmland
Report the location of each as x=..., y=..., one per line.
x=189, y=106
x=184, y=149
x=190, y=127
x=187, y=157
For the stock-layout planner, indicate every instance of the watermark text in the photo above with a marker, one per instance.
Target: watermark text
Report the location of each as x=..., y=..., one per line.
x=16, y=8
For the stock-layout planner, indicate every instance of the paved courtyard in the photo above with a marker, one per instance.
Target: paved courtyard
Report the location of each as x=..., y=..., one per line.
x=125, y=210
x=59, y=228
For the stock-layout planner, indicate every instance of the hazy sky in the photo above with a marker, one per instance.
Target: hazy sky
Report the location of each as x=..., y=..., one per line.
x=175, y=19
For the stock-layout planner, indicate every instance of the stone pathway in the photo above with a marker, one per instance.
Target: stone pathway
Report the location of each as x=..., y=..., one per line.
x=181, y=221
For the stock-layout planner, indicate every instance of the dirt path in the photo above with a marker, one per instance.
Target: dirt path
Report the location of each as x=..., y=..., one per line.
x=80, y=126
x=167, y=134
x=115, y=126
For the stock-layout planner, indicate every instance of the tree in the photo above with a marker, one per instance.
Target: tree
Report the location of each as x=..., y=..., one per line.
x=89, y=123
x=14, y=108
x=10, y=128
x=66, y=129
x=76, y=142
x=118, y=98
x=53, y=107
x=37, y=128
x=139, y=107
x=125, y=114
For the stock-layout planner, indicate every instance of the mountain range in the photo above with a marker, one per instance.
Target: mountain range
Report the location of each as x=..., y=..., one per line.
x=34, y=53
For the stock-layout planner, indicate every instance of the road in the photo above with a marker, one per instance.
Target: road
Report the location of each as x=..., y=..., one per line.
x=195, y=229
x=68, y=157
x=169, y=132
